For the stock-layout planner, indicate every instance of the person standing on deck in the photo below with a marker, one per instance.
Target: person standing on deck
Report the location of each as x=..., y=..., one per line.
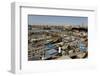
x=59, y=50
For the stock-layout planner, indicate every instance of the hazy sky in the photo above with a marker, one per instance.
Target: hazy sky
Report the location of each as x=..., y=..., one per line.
x=40, y=19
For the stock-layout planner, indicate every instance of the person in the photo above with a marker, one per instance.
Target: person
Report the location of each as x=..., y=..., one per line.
x=59, y=50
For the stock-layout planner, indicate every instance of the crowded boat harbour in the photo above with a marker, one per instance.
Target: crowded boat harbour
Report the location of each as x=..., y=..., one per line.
x=56, y=42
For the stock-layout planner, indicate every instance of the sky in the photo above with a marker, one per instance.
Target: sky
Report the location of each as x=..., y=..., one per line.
x=44, y=19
